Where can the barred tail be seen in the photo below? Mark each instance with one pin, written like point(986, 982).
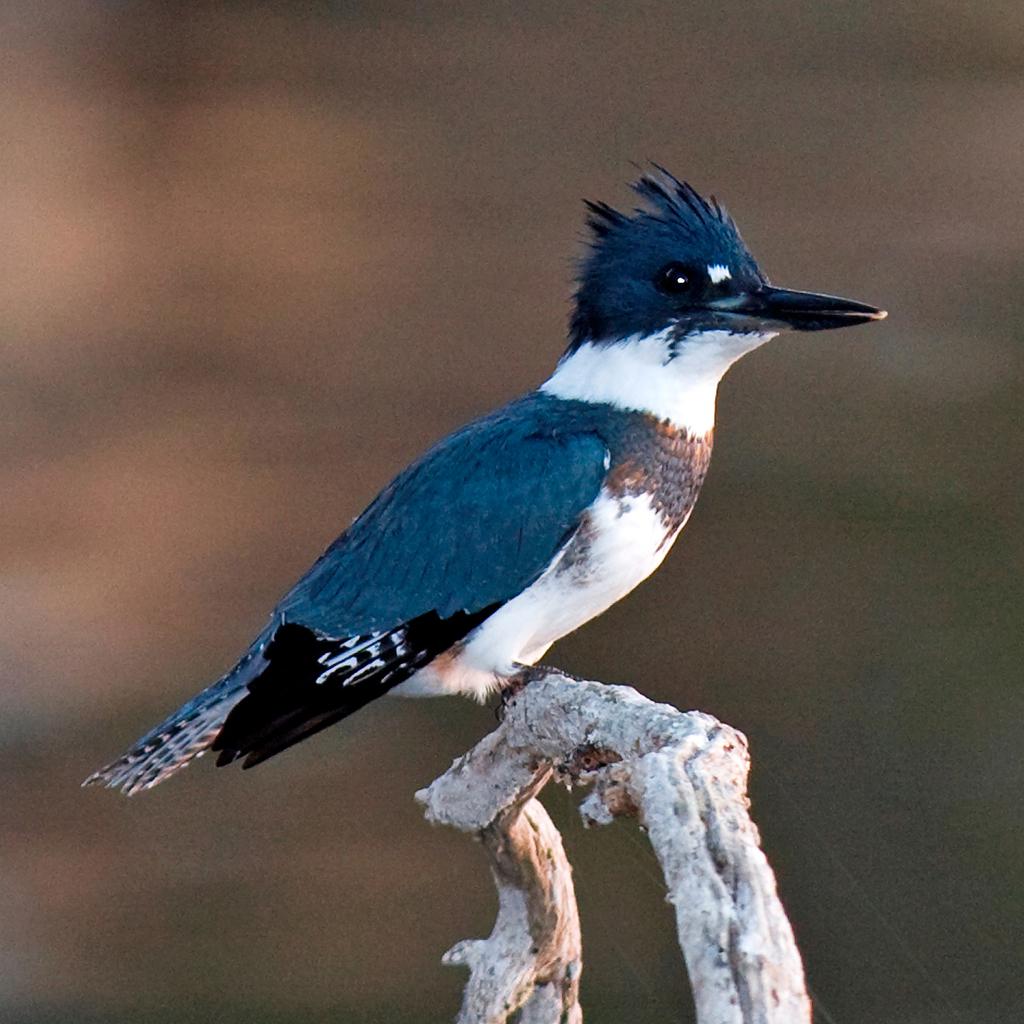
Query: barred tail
point(183, 736)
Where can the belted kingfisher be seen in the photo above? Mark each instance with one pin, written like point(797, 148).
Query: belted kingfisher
point(520, 527)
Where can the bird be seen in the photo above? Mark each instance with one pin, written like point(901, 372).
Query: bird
point(518, 528)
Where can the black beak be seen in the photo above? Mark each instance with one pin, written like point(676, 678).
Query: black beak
point(806, 311)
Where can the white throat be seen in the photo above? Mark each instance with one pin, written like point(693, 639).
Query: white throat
point(640, 373)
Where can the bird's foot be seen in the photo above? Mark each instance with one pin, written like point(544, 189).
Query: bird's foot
point(512, 685)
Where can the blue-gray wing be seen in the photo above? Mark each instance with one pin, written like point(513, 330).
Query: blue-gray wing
point(467, 527)
point(463, 530)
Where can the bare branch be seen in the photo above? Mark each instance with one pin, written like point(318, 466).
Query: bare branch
point(532, 958)
point(684, 777)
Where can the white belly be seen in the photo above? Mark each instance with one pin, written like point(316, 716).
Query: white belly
point(622, 542)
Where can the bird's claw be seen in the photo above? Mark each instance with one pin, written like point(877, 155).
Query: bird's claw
point(511, 687)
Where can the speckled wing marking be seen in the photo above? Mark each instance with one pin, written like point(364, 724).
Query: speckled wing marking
point(312, 681)
point(349, 662)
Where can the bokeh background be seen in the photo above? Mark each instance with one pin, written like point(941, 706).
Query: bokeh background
point(255, 258)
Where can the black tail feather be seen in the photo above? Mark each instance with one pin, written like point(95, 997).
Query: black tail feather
point(312, 681)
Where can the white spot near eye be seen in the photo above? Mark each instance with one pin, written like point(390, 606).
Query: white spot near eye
point(718, 273)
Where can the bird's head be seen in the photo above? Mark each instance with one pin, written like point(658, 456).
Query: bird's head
point(679, 265)
point(668, 298)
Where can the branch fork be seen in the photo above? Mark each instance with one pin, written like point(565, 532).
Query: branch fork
point(683, 776)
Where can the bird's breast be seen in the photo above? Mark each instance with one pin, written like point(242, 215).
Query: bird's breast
point(621, 540)
point(668, 465)
point(654, 476)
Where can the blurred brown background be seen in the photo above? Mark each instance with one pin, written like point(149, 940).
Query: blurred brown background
point(255, 258)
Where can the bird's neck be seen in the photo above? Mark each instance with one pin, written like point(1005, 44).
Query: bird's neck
point(651, 374)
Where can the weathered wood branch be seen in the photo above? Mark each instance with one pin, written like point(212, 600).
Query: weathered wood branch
point(684, 777)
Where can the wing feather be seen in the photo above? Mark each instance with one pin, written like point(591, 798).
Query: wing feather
point(471, 524)
point(464, 529)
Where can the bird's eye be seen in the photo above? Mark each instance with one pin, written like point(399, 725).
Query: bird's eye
point(673, 279)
